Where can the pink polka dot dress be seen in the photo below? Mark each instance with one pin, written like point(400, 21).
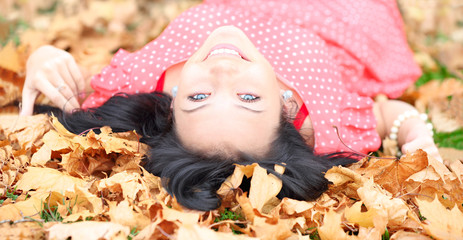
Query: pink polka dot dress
point(335, 54)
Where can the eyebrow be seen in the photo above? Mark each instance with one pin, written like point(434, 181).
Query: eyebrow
point(207, 104)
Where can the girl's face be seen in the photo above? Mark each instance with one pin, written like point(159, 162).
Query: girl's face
point(228, 98)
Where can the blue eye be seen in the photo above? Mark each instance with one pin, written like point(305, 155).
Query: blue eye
point(248, 97)
point(198, 97)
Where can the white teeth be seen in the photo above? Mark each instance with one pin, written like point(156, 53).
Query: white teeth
point(224, 50)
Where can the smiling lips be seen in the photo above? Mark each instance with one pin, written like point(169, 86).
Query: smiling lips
point(226, 49)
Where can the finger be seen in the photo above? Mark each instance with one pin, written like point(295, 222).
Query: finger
point(60, 85)
point(77, 75)
point(65, 74)
point(27, 101)
point(63, 98)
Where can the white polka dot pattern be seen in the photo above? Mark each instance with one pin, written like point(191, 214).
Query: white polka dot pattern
point(333, 53)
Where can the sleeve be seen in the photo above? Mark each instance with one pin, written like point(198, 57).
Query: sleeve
point(358, 128)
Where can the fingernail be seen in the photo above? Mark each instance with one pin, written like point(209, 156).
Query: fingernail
point(82, 95)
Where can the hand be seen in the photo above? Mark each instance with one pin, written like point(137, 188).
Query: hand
point(55, 73)
point(420, 138)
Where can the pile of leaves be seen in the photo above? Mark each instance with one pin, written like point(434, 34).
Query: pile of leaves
point(56, 185)
point(92, 186)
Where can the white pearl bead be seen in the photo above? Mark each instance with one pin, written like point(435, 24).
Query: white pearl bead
point(401, 118)
point(424, 116)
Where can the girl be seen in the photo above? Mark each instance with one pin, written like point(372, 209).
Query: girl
point(273, 82)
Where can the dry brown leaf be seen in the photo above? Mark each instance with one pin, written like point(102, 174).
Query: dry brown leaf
point(27, 208)
point(131, 184)
point(331, 228)
point(28, 130)
point(126, 214)
point(47, 179)
point(10, 59)
point(437, 90)
point(188, 218)
point(280, 230)
point(391, 173)
point(451, 154)
point(196, 232)
point(8, 93)
point(231, 183)
point(25, 230)
point(292, 206)
point(403, 235)
point(263, 187)
point(389, 210)
point(440, 222)
point(88, 230)
point(457, 168)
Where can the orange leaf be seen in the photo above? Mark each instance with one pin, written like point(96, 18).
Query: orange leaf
point(390, 173)
point(9, 58)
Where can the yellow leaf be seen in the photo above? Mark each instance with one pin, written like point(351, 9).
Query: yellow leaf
point(331, 228)
point(27, 208)
point(47, 179)
point(441, 223)
point(232, 182)
point(42, 156)
point(88, 230)
point(60, 128)
point(387, 208)
point(131, 184)
point(355, 215)
point(263, 187)
point(125, 214)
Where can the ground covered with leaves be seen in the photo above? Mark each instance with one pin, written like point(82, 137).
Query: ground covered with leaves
point(56, 185)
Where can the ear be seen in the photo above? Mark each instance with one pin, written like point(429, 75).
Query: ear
point(289, 106)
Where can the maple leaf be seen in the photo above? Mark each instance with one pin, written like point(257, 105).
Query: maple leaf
point(403, 235)
point(10, 59)
point(127, 214)
point(441, 223)
point(47, 179)
point(88, 230)
point(331, 229)
point(263, 187)
point(391, 173)
point(195, 232)
point(21, 209)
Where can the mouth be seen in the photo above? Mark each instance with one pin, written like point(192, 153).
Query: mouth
point(226, 50)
